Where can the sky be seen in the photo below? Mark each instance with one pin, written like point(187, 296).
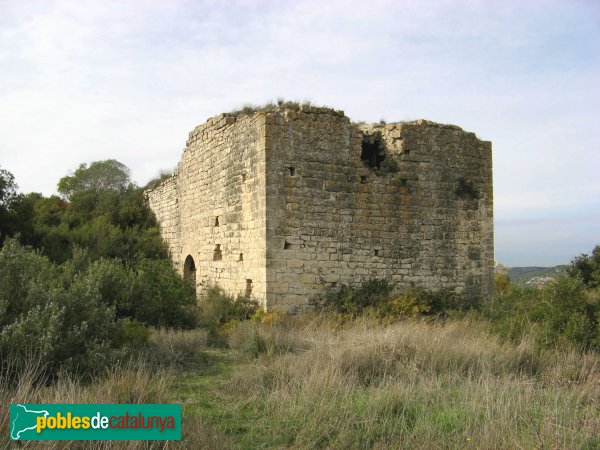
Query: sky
point(82, 81)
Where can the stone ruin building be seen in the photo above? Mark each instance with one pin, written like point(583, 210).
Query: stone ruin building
point(282, 202)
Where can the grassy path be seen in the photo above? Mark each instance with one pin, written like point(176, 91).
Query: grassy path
point(215, 417)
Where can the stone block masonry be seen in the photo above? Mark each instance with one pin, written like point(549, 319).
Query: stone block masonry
point(286, 201)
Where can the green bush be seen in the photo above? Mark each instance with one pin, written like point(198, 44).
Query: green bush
point(586, 268)
point(562, 310)
point(77, 317)
point(351, 301)
point(52, 315)
point(160, 297)
point(382, 299)
point(147, 291)
point(219, 312)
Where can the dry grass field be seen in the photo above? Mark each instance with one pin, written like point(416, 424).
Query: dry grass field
point(310, 382)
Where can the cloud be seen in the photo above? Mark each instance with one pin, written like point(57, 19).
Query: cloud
point(87, 80)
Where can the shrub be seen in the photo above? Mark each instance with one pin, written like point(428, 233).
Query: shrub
point(219, 312)
point(160, 297)
point(135, 335)
point(354, 301)
point(147, 291)
point(177, 348)
point(381, 298)
point(502, 283)
point(283, 335)
point(52, 315)
point(561, 310)
point(79, 316)
point(586, 268)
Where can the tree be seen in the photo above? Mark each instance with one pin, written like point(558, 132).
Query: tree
point(8, 194)
point(8, 188)
point(100, 176)
point(502, 284)
point(587, 268)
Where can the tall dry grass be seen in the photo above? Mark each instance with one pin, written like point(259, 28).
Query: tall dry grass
point(145, 378)
point(419, 385)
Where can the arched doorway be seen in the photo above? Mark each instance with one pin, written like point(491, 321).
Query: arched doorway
point(189, 271)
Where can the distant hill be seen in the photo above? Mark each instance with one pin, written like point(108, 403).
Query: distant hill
point(532, 276)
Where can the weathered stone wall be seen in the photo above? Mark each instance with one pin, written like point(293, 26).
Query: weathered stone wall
point(424, 216)
point(164, 201)
point(310, 199)
point(213, 208)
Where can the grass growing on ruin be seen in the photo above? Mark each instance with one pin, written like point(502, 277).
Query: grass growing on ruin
point(281, 103)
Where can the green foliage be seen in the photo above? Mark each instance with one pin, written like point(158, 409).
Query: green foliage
point(99, 176)
point(160, 297)
point(52, 314)
point(562, 310)
point(219, 312)
point(565, 310)
point(135, 335)
point(380, 298)
point(354, 301)
point(587, 268)
point(75, 317)
point(8, 193)
point(101, 212)
point(8, 188)
point(502, 283)
point(147, 291)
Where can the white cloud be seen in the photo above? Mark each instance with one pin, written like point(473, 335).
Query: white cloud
point(86, 80)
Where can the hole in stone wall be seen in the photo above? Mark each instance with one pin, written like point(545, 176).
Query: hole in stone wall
point(372, 152)
point(243, 178)
point(466, 190)
point(217, 255)
point(292, 171)
point(189, 271)
point(363, 179)
point(287, 245)
point(241, 257)
point(406, 151)
point(248, 292)
point(403, 181)
point(376, 252)
point(217, 221)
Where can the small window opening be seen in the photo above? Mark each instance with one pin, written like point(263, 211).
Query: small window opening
point(403, 181)
point(241, 257)
point(363, 179)
point(248, 292)
point(376, 252)
point(243, 178)
point(372, 152)
point(406, 151)
point(217, 221)
point(189, 271)
point(287, 245)
point(217, 255)
point(292, 171)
